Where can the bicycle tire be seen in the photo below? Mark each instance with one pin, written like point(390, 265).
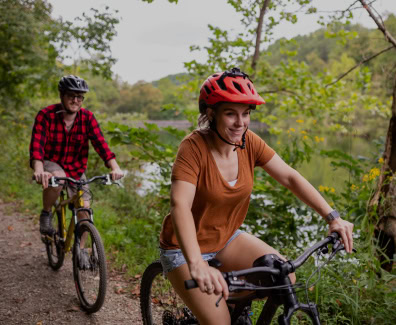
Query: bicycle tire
point(159, 302)
point(54, 246)
point(90, 283)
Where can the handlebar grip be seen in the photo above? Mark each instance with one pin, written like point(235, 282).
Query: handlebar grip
point(190, 284)
point(335, 235)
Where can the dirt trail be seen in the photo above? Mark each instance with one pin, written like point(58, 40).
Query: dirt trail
point(32, 293)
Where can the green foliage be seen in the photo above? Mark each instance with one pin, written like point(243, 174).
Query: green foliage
point(33, 44)
point(27, 57)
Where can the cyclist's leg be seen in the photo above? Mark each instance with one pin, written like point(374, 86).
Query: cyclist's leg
point(51, 194)
point(202, 305)
point(241, 252)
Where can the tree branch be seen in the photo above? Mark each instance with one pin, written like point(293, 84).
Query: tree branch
point(258, 35)
point(380, 25)
point(359, 64)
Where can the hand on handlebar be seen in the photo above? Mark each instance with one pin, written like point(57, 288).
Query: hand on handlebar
point(42, 177)
point(116, 174)
point(209, 279)
point(344, 229)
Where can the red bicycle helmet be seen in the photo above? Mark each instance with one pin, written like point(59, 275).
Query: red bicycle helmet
point(229, 86)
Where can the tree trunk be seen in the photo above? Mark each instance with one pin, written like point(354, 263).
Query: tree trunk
point(258, 35)
point(382, 205)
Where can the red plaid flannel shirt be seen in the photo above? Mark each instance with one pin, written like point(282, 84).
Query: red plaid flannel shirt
point(69, 149)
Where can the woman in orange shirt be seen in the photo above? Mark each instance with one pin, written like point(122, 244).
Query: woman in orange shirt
point(212, 180)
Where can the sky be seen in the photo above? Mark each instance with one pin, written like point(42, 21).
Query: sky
point(153, 40)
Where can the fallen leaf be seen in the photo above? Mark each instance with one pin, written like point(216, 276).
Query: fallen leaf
point(73, 308)
point(119, 290)
point(39, 323)
point(10, 228)
point(136, 290)
point(312, 288)
point(24, 244)
point(138, 276)
point(338, 302)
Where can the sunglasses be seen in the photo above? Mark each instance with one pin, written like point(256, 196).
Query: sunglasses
point(79, 98)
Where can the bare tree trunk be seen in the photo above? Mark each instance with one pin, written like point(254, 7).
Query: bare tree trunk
point(258, 35)
point(382, 205)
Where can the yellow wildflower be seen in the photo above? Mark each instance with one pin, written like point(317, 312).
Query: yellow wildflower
point(365, 178)
point(317, 139)
point(314, 121)
point(354, 187)
point(323, 188)
point(303, 132)
point(300, 121)
point(305, 137)
point(374, 172)
point(292, 130)
point(321, 139)
point(332, 189)
point(381, 160)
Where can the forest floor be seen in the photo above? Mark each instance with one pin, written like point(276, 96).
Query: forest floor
point(32, 293)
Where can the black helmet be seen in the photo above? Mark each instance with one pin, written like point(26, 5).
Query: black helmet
point(72, 83)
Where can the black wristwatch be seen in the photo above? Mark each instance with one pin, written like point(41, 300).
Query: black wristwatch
point(332, 216)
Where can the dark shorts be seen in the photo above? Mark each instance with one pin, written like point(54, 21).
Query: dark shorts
point(50, 166)
point(173, 258)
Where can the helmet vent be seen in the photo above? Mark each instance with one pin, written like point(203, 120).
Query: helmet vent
point(215, 75)
point(221, 84)
point(238, 86)
point(208, 91)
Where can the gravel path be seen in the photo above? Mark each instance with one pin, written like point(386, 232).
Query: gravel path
point(32, 293)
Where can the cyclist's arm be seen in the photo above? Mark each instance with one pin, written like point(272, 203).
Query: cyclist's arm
point(98, 141)
point(182, 196)
point(291, 179)
point(116, 172)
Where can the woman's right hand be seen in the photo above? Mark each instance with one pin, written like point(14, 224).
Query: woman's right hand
point(209, 279)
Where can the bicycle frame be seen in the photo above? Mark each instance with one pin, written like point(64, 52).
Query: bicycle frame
point(280, 291)
point(77, 202)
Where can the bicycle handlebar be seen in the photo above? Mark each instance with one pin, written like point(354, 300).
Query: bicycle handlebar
point(54, 180)
point(281, 268)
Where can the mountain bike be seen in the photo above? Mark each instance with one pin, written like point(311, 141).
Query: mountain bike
point(267, 279)
point(88, 256)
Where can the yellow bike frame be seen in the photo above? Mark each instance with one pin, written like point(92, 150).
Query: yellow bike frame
point(78, 202)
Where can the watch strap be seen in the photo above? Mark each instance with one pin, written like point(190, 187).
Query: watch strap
point(332, 216)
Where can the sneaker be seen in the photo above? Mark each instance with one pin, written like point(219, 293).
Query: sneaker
point(46, 223)
point(85, 260)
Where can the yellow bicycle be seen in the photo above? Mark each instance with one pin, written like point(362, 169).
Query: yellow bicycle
point(89, 262)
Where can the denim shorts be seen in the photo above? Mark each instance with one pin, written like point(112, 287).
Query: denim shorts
point(173, 258)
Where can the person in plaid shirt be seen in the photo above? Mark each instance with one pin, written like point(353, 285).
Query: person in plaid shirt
point(59, 144)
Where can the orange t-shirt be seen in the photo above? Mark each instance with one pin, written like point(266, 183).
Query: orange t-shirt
point(219, 209)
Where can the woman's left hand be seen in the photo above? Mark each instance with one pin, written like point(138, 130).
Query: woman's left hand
point(344, 229)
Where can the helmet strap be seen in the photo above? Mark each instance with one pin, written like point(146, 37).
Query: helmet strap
point(241, 146)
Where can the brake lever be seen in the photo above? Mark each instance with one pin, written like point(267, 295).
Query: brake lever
point(107, 181)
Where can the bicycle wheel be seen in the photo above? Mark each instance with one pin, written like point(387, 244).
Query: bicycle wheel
point(90, 280)
point(159, 303)
point(54, 244)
